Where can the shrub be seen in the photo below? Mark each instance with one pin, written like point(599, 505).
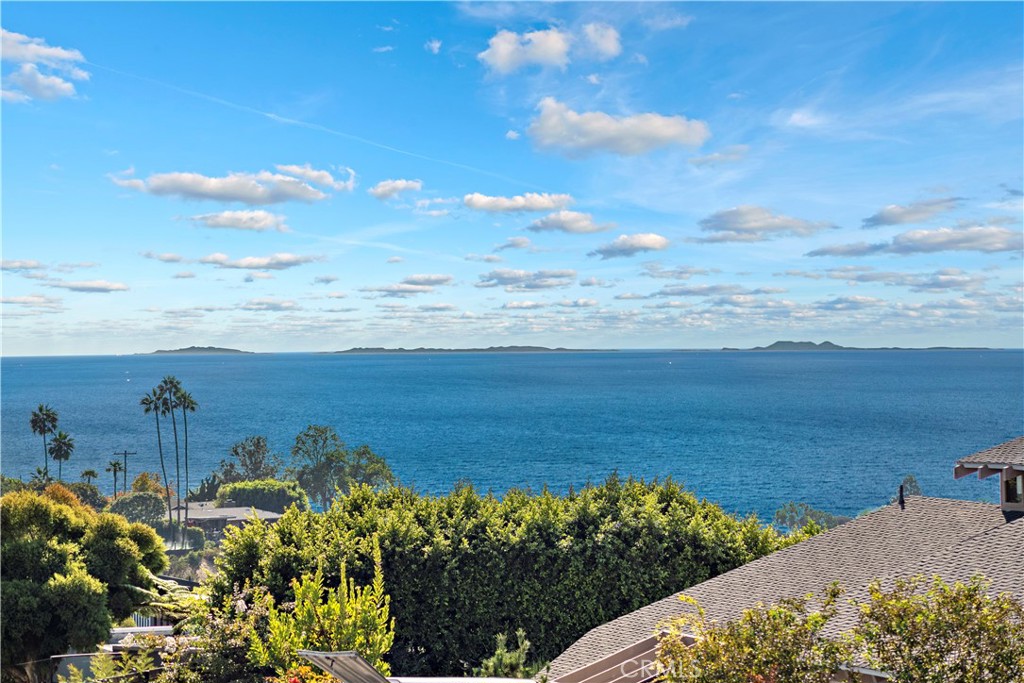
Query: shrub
point(145, 507)
point(464, 567)
point(263, 494)
point(88, 494)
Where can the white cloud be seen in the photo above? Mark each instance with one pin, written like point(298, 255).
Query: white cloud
point(531, 201)
point(258, 275)
point(977, 238)
point(628, 245)
point(603, 40)
point(38, 301)
point(569, 221)
point(21, 264)
point(184, 275)
point(512, 135)
point(484, 258)
point(594, 282)
point(508, 51)
point(523, 305)
point(248, 188)
point(594, 79)
point(895, 214)
point(557, 126)
point(728, 155)
point(433, 46)
point(320, 177)
point(755, 224)
point(436, 308)
point(384, 48)
point(269, 304)
point(387, 189)
point(667, 21)
point(32, 83)
point(279, 261)
point(578, 303)
point(324, 279)
point(525, 280)
point(430, 279)
point(515, 243)
point(90, 286)
point(256, 220)
point(401, 290)
point(679, 273)
point(394, 259)
point(800, 118)
point(166, 257)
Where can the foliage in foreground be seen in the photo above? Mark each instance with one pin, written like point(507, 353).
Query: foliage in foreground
point(464, 567)
point(934, 632)
point(919, 632)
point(506, 663)
point(348, 617)
point(784, 643)
point(67, 573)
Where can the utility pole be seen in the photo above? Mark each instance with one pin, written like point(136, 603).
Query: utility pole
point(125, 455)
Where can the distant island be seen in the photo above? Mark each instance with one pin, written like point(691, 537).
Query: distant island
point(489, 349)
point(829, 346)
point(196, 350)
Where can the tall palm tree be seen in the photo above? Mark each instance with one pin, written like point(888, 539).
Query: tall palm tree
point(115, 466)
point(170, 388)
point(187, 405)
point(43, 422)
point(89, 475)
point(153, 403)
point(61, 449)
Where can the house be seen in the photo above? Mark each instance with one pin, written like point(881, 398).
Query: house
point(954, 539)
point(213, 520)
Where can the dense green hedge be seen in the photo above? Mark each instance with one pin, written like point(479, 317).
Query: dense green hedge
point(263, 494)
point(463, 567)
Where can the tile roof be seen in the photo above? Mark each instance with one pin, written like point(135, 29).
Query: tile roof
point(886, 542)
point(1009, 453)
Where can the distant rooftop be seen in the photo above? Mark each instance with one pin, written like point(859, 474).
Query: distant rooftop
point(207, 511)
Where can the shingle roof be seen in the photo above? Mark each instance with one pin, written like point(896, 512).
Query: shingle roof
point(1009, 453)
point(887, 542)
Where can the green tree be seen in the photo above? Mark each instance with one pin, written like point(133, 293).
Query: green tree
point(323, 465)
point(68, 573)
point(61, 449)
point(115, 467)
point(188, 405)
point(89, 494)
point(88, 475)
point(910, 488)
point(922, 631)
point(348, 617)
point(153, 403)
point(505, 663)
point(43, 422)
point(252, 460)
point(138, 507)
point(169, 389)
point(263, 494)
point(798, 515)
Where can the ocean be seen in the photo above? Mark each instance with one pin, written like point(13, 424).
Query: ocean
point(749, 430)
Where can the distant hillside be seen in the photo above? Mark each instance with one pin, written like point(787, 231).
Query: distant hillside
point(489, 349)
point(829, 346)
point(196, 350)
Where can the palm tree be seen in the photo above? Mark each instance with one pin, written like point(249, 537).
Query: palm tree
point(89, 475)
point(43, 422)
point(187, 405)
point(170, 386)
point(115, 466)
point(61, 449)
point(152, 403)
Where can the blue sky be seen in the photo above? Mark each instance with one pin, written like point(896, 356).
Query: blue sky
point(304, 177)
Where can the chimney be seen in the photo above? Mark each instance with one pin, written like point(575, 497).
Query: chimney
point(902, 501)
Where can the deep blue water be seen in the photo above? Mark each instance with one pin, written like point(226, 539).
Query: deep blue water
point(748, 430)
